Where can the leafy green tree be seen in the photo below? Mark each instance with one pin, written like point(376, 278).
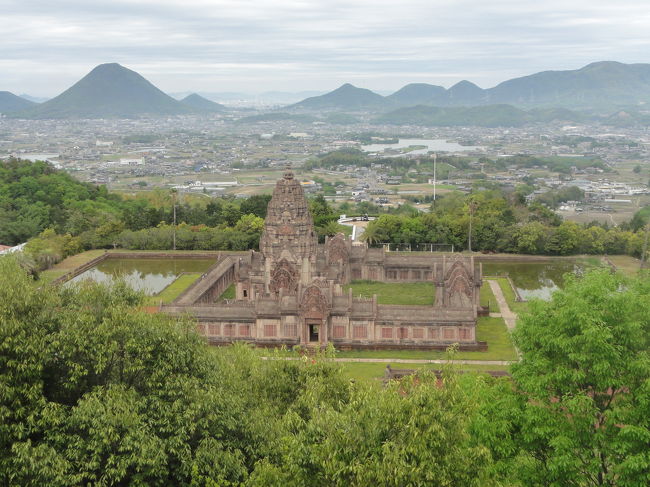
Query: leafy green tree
point(411, 433)
point(93, 391)
point(256, 204)
point(585, 375)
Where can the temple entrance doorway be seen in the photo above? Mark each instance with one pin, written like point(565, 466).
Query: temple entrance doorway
point(314, 329)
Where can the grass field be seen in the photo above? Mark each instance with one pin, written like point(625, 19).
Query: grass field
point(487, 297)
point(69, 264)
point(625, 264)
point(229, 293)
point(404, 293)
point(370, 371)
point(172, 291)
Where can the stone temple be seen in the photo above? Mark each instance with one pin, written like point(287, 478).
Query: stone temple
point(291, 291)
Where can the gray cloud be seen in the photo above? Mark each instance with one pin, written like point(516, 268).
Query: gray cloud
point(258, 45)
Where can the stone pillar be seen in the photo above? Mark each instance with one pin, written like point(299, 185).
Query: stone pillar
point(324, 331)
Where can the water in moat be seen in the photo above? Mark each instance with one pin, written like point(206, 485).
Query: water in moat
point(536, 279)
point(148, 275)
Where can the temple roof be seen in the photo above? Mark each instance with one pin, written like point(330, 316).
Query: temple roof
point(289, 227)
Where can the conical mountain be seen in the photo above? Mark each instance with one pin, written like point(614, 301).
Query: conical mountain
point(109, 91)
point(11, 103)
point(200, 104)
point(418, 94)
point(465, 93)
point(345, 97)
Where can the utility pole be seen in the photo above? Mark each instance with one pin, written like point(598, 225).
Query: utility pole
point(645, 246)
point(174, 233)
point(472, 207)
point(435, 159)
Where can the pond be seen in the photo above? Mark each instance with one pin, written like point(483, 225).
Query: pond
point(536, 279)
point(148, 275)
point(428, 144)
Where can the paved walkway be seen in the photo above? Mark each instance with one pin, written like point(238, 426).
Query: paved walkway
point(403, 361)
point(509, 316)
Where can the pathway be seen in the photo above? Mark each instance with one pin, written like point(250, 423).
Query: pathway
point(509, 316)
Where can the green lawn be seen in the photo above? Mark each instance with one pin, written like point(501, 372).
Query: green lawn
point(229, 293)
point(487, 297)
point(69, 264)
point(174, 290)
point(370, 371)
point(403, 293)
point(625, 264)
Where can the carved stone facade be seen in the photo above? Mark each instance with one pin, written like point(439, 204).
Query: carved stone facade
point(291, 291)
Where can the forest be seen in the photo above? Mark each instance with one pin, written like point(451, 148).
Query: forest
point(94, 391)
point(61, 216)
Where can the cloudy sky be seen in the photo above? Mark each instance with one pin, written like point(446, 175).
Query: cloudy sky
point(293, 45)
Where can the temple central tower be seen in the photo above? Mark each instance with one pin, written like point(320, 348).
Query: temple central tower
point(289, 229)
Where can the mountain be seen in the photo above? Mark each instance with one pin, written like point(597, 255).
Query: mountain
point(597, 84)
point(347, 97)
point(601, 85)
point(200, 104)
point(11, 103)
point(109, 91)
point(481, 116)
point(418, 94)
point(465, 93)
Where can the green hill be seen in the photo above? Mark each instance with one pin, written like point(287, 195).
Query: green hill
point(109, 91)
point(418, 94)
point(347, 97)
point(596, 85)
point(482, 116)
point(601, 85)
point(11, 103)
point(200, 104)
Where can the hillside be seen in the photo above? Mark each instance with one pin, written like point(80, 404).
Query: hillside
point(200, 104)
point(347, 97)
point(601, 86)
point(598, 84)
point(418, 94)
point(109, 91)
point(482, 116)
point(12, 103)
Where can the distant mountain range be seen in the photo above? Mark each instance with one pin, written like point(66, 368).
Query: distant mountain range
point(109, 91)
point(113, 91)
point(12, 103)
point(602, 85)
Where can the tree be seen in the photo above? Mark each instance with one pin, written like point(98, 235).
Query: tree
point(585, 375)
point(93, 391)
point(411, 433)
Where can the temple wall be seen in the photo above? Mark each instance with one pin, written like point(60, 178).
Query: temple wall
point(211, 284)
